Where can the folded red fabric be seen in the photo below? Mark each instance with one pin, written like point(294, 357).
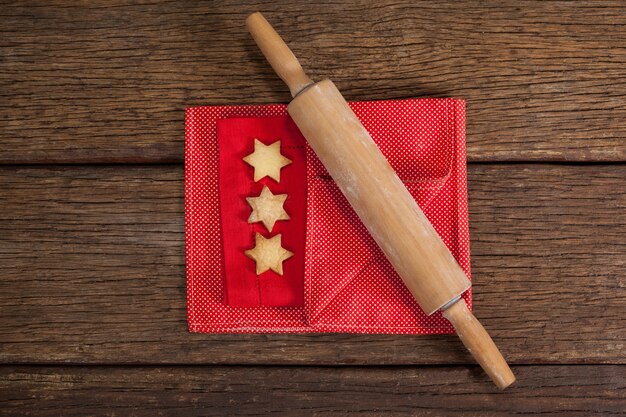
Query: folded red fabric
point(242, 286)
point(338, 280)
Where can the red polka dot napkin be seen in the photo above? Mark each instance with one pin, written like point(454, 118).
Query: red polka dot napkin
point(338, 280)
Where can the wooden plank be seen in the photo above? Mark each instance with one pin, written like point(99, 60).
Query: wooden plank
point(93, 272)
point(109, 81)
point(293, 391)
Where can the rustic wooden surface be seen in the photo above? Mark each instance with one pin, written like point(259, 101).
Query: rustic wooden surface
point(108, 81)
point(217, 391)
point(92, 286)
point(100, 277)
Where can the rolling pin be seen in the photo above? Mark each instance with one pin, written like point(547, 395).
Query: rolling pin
point(380, 199)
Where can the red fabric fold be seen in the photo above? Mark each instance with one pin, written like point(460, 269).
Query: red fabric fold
point(242, 287)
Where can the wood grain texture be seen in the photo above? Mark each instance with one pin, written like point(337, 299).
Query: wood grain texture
point(93, 272)
point(109, 81)
point(574, 391)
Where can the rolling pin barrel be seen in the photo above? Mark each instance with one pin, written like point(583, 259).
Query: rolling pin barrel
point(380, 199)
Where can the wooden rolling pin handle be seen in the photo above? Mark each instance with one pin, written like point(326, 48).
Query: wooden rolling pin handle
point(277, 53)
point(479, 343)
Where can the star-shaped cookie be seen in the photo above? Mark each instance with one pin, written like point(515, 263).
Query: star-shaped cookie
point(267, 208)
point(267, 160)
point(269, 254)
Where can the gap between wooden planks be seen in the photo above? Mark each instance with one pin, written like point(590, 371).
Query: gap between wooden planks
point(93, 272)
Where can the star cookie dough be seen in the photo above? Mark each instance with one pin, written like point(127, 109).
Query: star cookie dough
point(269, 254)
point(267, 208)
point(267, 160)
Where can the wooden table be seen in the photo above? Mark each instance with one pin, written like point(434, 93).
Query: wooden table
point(92, 284)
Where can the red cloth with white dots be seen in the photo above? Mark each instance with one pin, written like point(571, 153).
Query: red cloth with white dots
point(347, 284)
